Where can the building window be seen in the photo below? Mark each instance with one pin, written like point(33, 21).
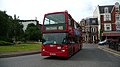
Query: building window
point(118, 26)
point(107, 27)
point(93, 21)
point(93, 38)
point(117, 17)
point(106, 10)
point(107, 17)
point(83, 29)
point(83, 24)
point(117, 7)
point(117, 21)
point(87, 24)
point(93, 29)
point(87, 29)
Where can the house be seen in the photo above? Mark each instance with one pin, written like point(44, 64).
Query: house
point(83, 24)
point(26, 22)
point(108, 21)
point(90, 30)
point(93, 29)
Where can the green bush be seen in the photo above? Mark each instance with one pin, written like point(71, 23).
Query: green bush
point(4, 43)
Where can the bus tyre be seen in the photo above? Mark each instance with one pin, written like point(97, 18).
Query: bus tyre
point(69, 55)
point(80, 47)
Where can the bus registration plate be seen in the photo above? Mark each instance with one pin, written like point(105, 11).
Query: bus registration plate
point(53, 54)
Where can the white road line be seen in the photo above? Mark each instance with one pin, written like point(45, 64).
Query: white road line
point(110, 51)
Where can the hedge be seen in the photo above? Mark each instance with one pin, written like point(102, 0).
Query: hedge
point(4, 43)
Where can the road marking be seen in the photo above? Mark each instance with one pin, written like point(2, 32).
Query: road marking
point(109, 50)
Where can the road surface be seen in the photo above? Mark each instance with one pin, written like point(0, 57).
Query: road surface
point(89, 56)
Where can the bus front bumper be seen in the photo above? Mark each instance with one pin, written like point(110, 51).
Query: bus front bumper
point(63, 53)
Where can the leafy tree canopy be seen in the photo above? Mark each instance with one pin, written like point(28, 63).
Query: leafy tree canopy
point(33, 33)
point(10, 27)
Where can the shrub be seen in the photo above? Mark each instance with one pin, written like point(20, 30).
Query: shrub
point(4, 43)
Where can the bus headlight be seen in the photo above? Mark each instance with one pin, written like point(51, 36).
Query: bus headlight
point(63, 50)
point(58, 47)
point(43, 49)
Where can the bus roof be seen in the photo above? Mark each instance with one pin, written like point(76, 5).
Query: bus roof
point(62, 12)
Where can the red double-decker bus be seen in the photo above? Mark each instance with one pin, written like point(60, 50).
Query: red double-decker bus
point(61, 35)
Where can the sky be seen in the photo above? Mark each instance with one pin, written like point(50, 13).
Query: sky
point(30, 9)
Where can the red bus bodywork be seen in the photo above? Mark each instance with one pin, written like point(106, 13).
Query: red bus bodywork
point(66, 38)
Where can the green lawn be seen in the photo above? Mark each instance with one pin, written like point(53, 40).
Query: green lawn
point(20, 47)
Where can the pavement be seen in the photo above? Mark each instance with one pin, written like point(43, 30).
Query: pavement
point(20, 53)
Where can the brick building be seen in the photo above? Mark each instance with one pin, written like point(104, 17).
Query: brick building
point(108, 21)
point(90, 30)
point(83, 24)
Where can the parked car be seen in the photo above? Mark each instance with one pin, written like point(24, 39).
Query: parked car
point(102, 42)
point(114, 44)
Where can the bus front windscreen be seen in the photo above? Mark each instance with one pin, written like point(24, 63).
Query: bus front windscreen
point(54, 19)
point(54, 22)
point(54, 38)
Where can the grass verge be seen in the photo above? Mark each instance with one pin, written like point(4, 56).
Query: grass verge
point(20, 47)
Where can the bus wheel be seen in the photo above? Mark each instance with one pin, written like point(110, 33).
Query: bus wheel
point(70, 55)
point(80, 47)
point(73, 50)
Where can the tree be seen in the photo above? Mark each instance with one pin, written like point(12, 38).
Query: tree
point(17, 29)
point(5, 22)
point(10, 28)
point(32, 33)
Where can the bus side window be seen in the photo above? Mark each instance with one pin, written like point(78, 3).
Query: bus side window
point(75, 25)
point(70, 21)
point(78, 27)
